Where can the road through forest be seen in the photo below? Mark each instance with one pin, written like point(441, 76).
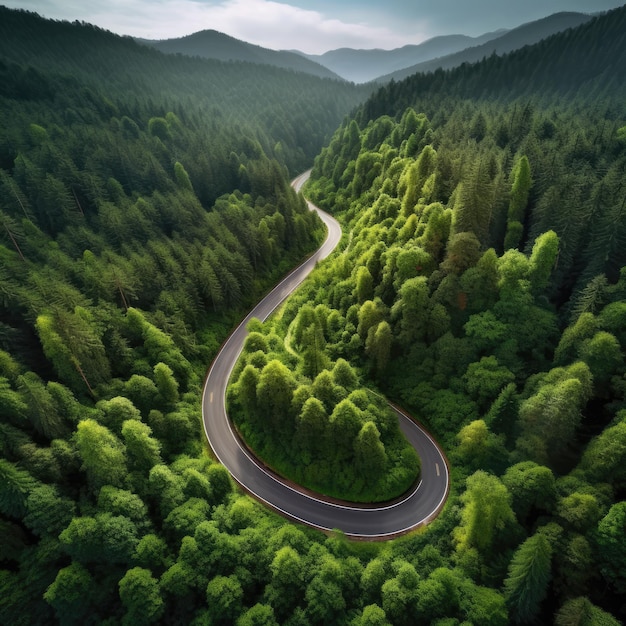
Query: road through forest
point(357, 521)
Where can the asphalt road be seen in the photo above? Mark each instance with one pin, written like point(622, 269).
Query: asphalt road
point(418, 507)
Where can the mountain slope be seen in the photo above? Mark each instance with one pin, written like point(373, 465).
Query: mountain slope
point(524, 35)
point(211, 44)
point(587, 63)
point(254, 96)
point(361, 66)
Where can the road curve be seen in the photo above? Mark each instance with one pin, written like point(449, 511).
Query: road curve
point(418, 507)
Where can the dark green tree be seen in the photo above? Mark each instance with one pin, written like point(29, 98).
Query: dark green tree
point(526, 585)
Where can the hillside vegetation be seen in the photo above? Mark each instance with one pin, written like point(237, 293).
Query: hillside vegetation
point(483, 287)
point(145, 204)
point(291, 114)
point(514, 39)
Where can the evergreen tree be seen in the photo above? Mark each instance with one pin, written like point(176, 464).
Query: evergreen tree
point(527, 583)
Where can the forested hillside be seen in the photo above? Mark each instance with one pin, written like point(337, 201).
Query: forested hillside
point(291, 114)
point(524, 35)
point(585, 64)
point(145, 205)
point(482, 285)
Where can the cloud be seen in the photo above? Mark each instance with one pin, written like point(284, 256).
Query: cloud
point(266, 23)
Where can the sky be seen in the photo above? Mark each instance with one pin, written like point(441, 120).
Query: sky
point(311, 26)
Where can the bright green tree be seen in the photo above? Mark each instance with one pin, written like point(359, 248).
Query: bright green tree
point(143, 450)
point(520, 189)
point(378, 346)
point(116, 411)
point(372, 615)
point(531, 486)
point(166, 383)
point(71, 594)
point(224, 596)
point(369, 453)
point(102, 454)
point(604, 459)
point(312, 426)
point(258, 615)
point(486, 512)
point(141, 596)
point(275, 392)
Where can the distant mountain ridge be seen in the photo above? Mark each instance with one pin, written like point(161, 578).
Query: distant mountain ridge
point(524, 35)
point(362, 66)
point(211, 44)
point(373, 65)
point(586, 64)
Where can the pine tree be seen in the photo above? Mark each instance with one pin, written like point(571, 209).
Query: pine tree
point(526, 585)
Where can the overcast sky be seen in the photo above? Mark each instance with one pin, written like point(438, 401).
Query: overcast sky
point(312, 26)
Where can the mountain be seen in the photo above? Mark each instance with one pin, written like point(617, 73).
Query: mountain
point(211, 44)
point(361, 66)
point(524, 35)
point(587, 63)
point(258, 96)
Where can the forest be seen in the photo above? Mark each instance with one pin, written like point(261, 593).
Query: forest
point(480, 284)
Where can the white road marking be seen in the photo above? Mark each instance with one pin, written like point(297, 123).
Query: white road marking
point(437, 468)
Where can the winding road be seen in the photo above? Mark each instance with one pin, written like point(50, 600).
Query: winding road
point(384, 521)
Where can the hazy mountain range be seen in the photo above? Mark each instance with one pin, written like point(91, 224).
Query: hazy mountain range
point(211, 44)
point(378, 65)
point(524, 35)
point(362, 66)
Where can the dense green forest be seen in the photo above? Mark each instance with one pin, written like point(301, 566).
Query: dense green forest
point(307, 416)
point(289, 114)
point(480, 283)
point(482, 286)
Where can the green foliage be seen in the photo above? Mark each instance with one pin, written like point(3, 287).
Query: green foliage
point(105, 538)
point(143, 450)
point(102, 454)
point(611, 552)
point(141, 597)
point(69, 593)
point(182, 178)
point(520, 189)
point(224, 596)
point(487, 511)
point(275, 392)
point(140, 217)
point(48, 513)
point(15, 487)
point(486, 379)
point(527, 582)
point(480, 448)
point(581, 612)
point(603, 460)
point(351, 450)
point(166, 384)
point(531, 487)
point(550, 418)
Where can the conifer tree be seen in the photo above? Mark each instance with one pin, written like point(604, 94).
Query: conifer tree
point(529, 574)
